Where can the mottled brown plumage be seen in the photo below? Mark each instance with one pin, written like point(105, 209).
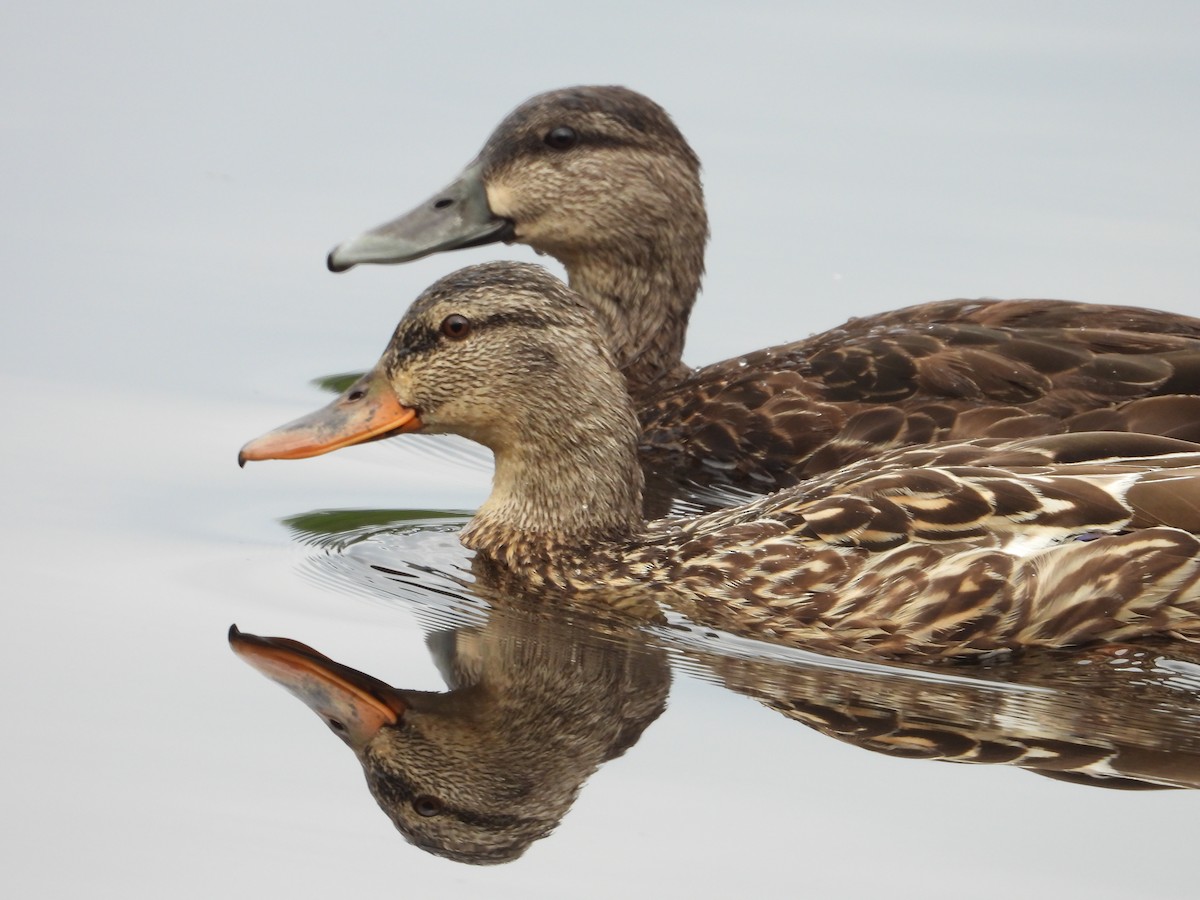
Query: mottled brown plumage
point(943, 551)
point(601, 179)
point(1114, 716)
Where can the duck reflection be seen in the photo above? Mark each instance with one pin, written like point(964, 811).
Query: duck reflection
point(540, 698)
point(478, 773)
point(1115, 716)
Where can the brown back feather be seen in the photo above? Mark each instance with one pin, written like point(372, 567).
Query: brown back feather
point(952, 370)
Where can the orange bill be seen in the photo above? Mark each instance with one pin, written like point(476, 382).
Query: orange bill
point(368, 410)
point(353, 704)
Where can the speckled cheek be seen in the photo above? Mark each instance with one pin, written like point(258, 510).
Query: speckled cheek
point(467, 419)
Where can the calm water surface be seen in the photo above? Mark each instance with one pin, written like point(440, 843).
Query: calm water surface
point(174, 175)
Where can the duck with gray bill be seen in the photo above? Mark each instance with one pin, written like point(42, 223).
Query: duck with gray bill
point(601, 179)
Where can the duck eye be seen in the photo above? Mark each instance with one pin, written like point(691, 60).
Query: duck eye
point(456, 327)
point(561, 138)
point(426, 806)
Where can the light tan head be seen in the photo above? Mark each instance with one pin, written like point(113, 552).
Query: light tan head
point(506, 355)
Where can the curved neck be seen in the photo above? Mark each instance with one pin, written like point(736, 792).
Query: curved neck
point(638, 259)
point(644, 296)
point(561, 484)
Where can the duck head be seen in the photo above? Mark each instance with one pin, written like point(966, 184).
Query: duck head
point(597, 177)
point(425, 763)
point(502, 354)
point(478, 773)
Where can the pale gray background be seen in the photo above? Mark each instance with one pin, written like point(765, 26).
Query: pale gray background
point(173, 174)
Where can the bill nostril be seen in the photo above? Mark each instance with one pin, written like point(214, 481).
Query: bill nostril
point(443, 203)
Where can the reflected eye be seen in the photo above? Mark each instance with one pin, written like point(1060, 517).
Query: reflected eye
point(427, 806)
point(456, 327)
point(561, 138)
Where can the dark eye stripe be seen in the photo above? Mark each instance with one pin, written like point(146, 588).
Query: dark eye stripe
point(398, 793)
point(502, 153)
point(585, 139)
point(418, 339)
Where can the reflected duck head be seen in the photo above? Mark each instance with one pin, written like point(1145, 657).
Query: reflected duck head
point(438, 782)
point(478, 773)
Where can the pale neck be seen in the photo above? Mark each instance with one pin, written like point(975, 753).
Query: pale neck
point(644, 294)
point(562, 484)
